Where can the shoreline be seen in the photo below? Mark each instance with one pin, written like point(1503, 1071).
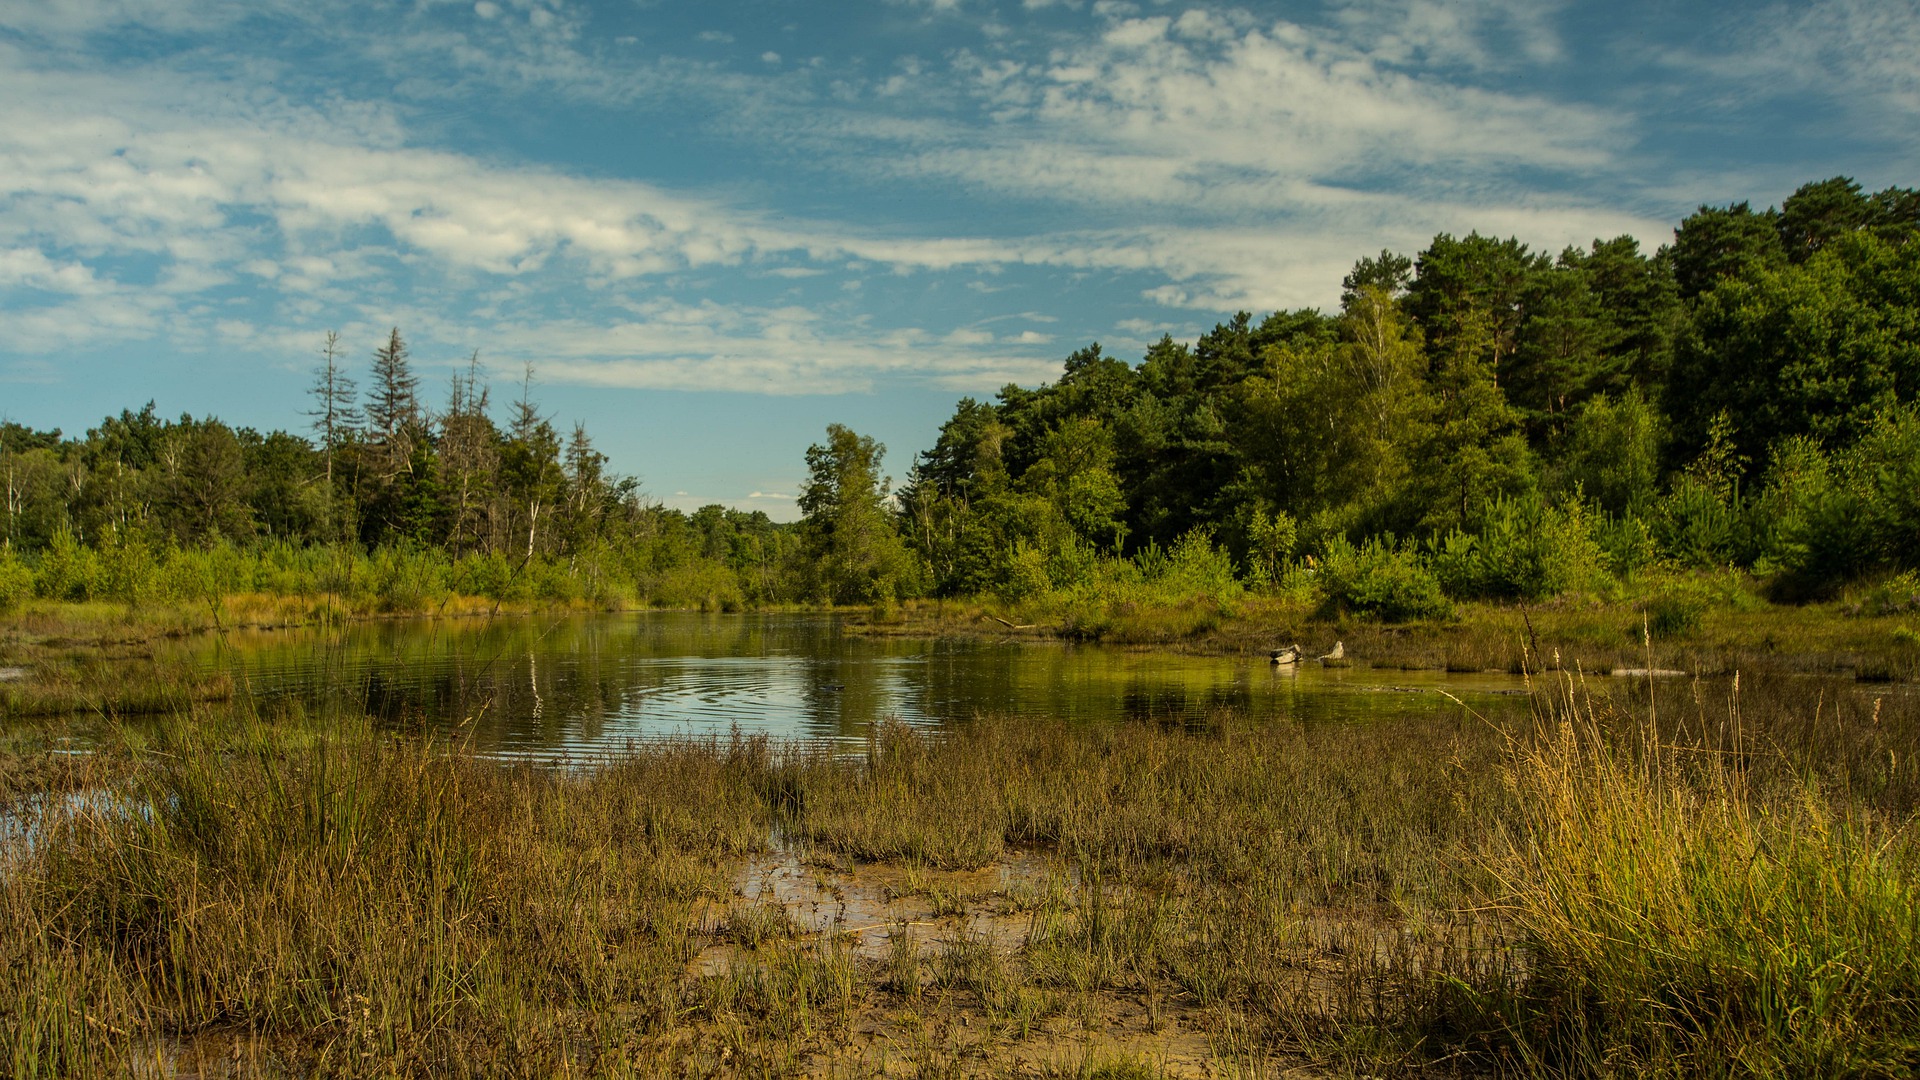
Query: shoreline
point(1596, 638)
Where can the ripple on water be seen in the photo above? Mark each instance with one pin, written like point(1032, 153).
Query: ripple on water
point(574, 687)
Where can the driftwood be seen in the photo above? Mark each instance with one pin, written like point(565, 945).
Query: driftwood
point(1014, 626)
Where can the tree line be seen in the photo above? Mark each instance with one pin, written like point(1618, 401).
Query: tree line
point(1476, 420)
point(509, 508)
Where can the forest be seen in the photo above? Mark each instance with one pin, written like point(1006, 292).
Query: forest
point(1478, 421)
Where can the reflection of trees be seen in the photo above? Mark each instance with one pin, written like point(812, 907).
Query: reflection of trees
point(546, 684)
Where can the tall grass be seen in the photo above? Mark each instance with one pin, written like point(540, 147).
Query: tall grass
point(1696, 885)
point(378, 905)
point(1689, 914)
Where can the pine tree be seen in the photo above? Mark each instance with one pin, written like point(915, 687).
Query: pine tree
point(393, 405)
point(335, 419)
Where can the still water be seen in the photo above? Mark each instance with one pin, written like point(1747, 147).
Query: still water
point(588, 685)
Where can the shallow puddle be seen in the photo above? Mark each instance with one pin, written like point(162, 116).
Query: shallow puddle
point(867, 904)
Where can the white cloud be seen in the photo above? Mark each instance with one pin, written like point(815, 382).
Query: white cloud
point(30, 268)
point(74, 17)
point(1200, 111)
point(1477, 34)
point(1215, 160)
point(1863, 54)
point(773, 351)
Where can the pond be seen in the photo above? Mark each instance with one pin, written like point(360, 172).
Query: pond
point(585, 685)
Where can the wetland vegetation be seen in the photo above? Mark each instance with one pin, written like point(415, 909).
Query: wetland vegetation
point(1702, 460)
point(1663, 877)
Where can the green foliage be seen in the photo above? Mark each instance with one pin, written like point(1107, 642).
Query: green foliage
point(855, 555)
point(1025, 575)
point(1810, 349)
point(702, 584)
point(1271, 540)
point(1824, 519)
point(1524, 548)
point(1702, 521)
point(1195, 567)
point(67, 570)
point(1896, 595)
point(16, 581)
point(1611, 454)
point(1380, 579)
point(1675, 613)
point(1744, 397)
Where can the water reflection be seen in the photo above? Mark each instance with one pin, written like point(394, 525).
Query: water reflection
point(594, 683)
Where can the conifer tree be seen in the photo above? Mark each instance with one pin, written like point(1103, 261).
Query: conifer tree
point(335, 419)
point(393, 404)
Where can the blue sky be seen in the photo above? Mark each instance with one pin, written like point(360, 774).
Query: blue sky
point(715, 228)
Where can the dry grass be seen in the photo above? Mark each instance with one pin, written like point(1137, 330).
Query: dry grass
point(1692, 913)
point(1711, 886)
point(1742, 634)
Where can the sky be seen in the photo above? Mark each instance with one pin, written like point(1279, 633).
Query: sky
point(715, 228)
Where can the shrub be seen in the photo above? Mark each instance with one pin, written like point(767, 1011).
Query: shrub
point(490, 574)
point(129, 572)
point(1380, 579)
point(1675, 614)
point(1825, 519)
point(1525, 549)
point(706, 584)
point(67, 570)
point(1628, 543)
point(407, 578)
point(1195, 567)
point(16, 581)
point(1026, 574)
point(1699, 524)
point(1896, 595)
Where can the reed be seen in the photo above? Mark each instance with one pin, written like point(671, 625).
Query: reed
point(1660, 880)
point(1687, 915)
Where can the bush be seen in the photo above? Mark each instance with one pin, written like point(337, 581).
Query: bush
point(491, 574)
point(1898, 595)
point(129, 572)
point(1826, 519)
point(1025, 575)
point(16, 581)
point(67, 571)
point(407, 578)
point(1197, 568)
point(1525, 549)
point(1699, 524)
point(1380, 579)
point(1628, 543)
point(706, 584)
point(1675, 614)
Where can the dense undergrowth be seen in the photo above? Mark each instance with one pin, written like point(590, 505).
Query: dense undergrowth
point(1714, 881)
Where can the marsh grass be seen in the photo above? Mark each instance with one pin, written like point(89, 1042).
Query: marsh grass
point(1713, 626)
point(1668, 879)
point(1695, 909)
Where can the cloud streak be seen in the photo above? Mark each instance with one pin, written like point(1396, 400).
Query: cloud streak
point(1198, 158)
